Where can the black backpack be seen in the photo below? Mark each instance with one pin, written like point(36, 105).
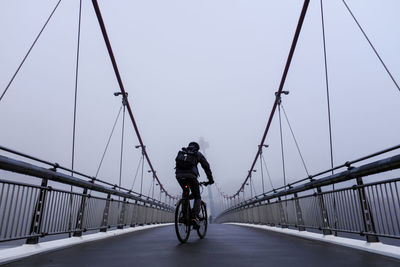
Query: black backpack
point(186, 160)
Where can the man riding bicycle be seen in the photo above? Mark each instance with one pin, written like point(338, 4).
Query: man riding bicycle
point(187, 175)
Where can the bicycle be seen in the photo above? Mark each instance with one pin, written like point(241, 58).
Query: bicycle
point(183, 218)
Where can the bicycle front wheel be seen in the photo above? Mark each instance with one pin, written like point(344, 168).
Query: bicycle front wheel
point(202, 230)
point(182, 222)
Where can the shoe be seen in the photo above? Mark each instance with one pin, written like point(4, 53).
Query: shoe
point(196, 223)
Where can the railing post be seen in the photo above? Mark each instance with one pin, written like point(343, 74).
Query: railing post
point(122, 215)
point(326, 230)
point(104, 221)
point(368, 220)
point(81, 211)
point(282, 214)
point(37, 217)
point(299, 214)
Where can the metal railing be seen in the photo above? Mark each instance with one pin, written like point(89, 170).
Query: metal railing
point(370, 209)
point(30, 211)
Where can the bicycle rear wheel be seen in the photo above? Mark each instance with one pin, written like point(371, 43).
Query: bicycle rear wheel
point(203, 221)
point(182, 222)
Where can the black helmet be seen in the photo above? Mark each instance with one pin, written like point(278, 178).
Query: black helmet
point(194, 145)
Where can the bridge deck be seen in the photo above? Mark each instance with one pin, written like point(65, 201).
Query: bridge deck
point(224, 245)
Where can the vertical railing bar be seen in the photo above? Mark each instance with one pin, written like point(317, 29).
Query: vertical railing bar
point(1, 202)
point(49, 211)
point(384, 208)
point(341, 211)
point(15, 211)
point(25, 200)
point(56, 217)
point(332, 204)
point(380, 210)
point(372, 189)
point(28, 212)
point(68, 210)
point(9, 210)
point(97, 208)
point(317, 217)
point(86, 211)
point(368, 196)
point(308, 210)
point(353, 204)
point(390, 210)
point(63, 223)
point(21, 203)
point(356, 212)
point(356, 208)
point(90, 210)
point(346, 209)
point(94, 209)
point(5, 211)
point(100, 204)
point(398, 201)
point(58, 214)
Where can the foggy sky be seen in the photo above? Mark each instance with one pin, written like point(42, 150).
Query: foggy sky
point(199, 69)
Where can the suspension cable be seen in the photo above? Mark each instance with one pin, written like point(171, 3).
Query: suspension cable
point(122, 141)
point(262, 172)
point(329, 108)
point(252, 184)
point(372, 46)
point(74, 120)
point(327, 84)
point(282, 150)
point(29, 51)
point(122, 88)
point(76, 85)
point(282, 83)
point(141, 179)
point(151, 186)
point(108, 142)
point(137, 171)
point(266, 168)
point(295, 140)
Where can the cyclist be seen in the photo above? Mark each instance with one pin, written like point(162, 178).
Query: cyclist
point(189, 177)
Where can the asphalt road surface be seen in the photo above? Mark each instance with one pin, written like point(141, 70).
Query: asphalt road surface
point(224, 245)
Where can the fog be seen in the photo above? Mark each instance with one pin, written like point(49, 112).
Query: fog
point(196, 70)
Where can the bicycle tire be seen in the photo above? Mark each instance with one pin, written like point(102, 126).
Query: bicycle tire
point(202, 230)
point(182, 228)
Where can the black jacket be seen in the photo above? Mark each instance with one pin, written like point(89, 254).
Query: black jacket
point(194, 172)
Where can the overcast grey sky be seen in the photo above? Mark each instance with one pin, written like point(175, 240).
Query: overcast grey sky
point(199, 69)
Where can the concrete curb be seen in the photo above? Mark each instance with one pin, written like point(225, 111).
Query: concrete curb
point(378, 248)
point(12, 254)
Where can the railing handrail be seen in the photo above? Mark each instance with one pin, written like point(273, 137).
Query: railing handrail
point(25, 168)
point(375, 167)
point(58, 166)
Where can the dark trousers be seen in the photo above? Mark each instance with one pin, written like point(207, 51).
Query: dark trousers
point(195, 189)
